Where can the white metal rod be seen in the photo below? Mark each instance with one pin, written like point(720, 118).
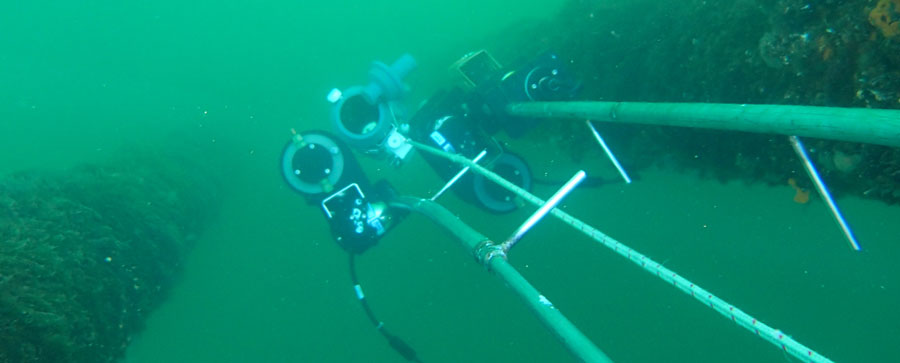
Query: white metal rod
point(458, 175)
point(544, 209)
point(609, 153)
point(823, 191)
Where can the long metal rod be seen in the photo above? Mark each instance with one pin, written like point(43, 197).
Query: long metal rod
point(823, 191)
point(866, 125)
point(543, 210)
point(458, 175)
point(473, 241)
point(608, 152)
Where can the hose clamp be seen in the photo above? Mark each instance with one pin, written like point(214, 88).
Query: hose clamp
point(486, 250)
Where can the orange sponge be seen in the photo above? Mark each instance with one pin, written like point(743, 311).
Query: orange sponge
point(886, 17)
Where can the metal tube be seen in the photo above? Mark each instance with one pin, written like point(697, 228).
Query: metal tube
point(823, 191)
point(543, 210)
point(866, 125)
point(609, 153)
point(576, 342)
point(458, 175)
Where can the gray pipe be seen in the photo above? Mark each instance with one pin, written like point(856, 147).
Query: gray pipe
point(477, 244)
point(865, 125)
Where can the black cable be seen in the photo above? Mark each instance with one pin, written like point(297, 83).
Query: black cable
point(398, 344)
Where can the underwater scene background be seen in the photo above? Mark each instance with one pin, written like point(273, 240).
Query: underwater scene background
point(144, 218)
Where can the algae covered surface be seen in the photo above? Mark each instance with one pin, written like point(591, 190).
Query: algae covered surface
point(88, 254)
point(826, 53)
point(143, 217)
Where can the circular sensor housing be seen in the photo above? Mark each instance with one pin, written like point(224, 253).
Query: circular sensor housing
point(496, 198)
point(312, 163)
point(361, 123)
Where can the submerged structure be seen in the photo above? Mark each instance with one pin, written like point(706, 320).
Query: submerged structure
point(87, 254)
point(792, 70)
point(785, 52)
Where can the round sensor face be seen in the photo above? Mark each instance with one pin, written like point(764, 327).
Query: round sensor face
point(358, 116)
point(360, 123)
point(312, 163)
point(496, 198)
point(541, 83)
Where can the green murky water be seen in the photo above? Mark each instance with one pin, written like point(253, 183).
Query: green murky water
point(265, 283)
